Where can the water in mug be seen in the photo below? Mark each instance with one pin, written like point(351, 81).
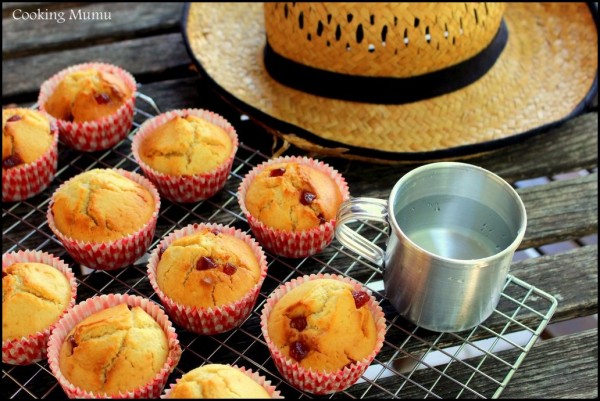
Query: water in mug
point(455, 227)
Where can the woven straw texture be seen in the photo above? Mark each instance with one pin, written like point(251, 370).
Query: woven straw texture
point(381, 39)
point(546, 70)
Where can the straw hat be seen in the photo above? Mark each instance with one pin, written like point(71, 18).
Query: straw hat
point(399, 82)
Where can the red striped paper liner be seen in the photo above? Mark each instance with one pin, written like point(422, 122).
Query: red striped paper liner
point(30, 349)
point(292, 244)
point(187, 188)
point(26, 180)
point(154, 388)
point(100, 134)
point(113, 254)
point(211, 320)
point(261, 380)
point(319, 382)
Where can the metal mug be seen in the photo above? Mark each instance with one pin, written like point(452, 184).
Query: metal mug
point(454, 228)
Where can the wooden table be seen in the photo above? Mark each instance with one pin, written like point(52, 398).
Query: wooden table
point(145, 39)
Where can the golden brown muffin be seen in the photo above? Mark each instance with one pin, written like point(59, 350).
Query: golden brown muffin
point(26, 136)
point(207, 269)
point(186, 146)
point(87, 95)
point(115, 349)
point(101, 205)
point(292, 197)
point(217, 381)
point(323, 324)
point(34, 296)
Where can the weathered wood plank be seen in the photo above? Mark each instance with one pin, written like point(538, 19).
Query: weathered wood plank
point(151, 55)
point(560, 210)
point(563, 367)
point(111, 22)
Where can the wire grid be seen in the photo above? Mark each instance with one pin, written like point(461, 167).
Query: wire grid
point(413, 362)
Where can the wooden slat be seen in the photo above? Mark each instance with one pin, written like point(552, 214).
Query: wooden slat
point(152, 55)
point(563, 367)
point(22, 37)
point(560, 210)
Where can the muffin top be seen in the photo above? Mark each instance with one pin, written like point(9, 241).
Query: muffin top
point(186, 146)
point(34, 296)
point(323, 324)
point(217, 381)
point(87, 95)
point(101, 205)
point(207, 269)
point(293, 197)
point(26, 136)
point(115, 349)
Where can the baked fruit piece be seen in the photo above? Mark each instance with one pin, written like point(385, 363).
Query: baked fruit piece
point(217, 381)
point(117, 349)
point(87, 95)
point(293, 197)
point(323, 325)
point(34, 296)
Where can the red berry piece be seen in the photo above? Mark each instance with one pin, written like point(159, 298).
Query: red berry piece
point(299, 350)
point(205, 263)
point(321, 218)
point(12, 161)
point(102, 98)
point(298, 323)
point(307, 198)
point(4, 274)
point(229, 269)
point(215, 231)
point(277, 172)
point(14, 118)
point(72, 343)
point(360, 298)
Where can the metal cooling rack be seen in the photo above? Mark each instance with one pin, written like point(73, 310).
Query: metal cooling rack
point(413, 363)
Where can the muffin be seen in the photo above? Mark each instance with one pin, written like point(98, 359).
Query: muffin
point(92, 104)
point(115, 209)
point(207, 276)
point(37, 289)
point(29, 153)
point(187, 154)
point(221, 381)
point(323, 331)
point(114, 345)
point(291, 204)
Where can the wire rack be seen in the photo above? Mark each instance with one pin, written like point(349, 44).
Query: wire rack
point(413, 363)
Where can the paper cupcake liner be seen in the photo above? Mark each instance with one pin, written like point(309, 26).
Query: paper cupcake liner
point(261, 380)
point(154, 388)
point(26, 180)
point(212, 320)
point(27, 350)
point(187, 188)
point(307, 379)
point(292, 244)
point(104, 133)
point(113, 254)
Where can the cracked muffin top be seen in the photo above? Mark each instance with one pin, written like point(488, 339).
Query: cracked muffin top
point(293, 197)
point(323, 324)
point(207, 269)
point(87, 95)
point(26, 136)
point(101, 205)
point(217, 381)
point(34, 296)
point(186, 146)
point(115, 349)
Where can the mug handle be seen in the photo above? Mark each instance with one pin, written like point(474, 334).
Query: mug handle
point(361, 209)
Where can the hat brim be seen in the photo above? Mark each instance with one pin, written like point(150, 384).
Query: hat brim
point(546, 74)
